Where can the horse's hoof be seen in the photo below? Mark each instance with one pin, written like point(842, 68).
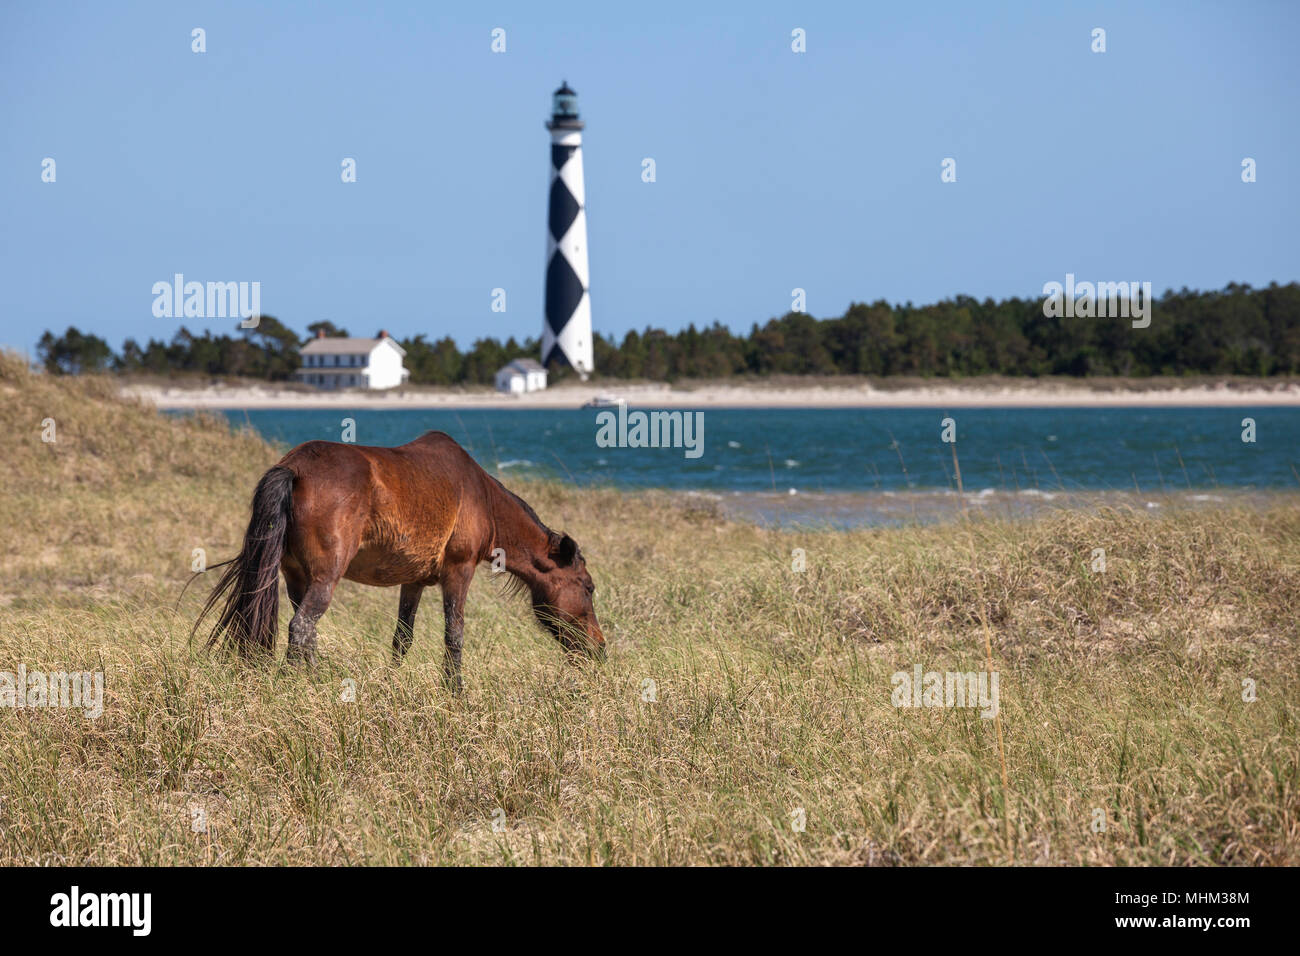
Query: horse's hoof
point(300, 656)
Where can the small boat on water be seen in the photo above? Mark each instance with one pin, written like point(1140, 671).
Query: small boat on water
point(605, 401)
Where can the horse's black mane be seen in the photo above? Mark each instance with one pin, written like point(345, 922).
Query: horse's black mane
point(523, 504)
point(514, 584)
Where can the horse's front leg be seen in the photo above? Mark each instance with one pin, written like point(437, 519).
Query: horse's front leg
point(407, 605)
point(455, 585)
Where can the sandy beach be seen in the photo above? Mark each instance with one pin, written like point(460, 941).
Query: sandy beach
point(1017, 394)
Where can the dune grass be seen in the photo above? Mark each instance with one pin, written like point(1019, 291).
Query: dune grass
point(770, 739)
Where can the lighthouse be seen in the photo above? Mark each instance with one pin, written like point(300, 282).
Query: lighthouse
point(566, 333)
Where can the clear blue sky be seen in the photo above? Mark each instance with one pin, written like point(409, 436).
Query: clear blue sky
point(775, 170)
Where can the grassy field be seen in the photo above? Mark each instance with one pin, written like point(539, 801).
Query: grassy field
point(772, 738)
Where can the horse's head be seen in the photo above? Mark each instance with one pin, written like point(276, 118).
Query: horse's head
point(562, 599)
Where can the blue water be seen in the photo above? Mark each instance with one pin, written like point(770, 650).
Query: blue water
point(854, 450)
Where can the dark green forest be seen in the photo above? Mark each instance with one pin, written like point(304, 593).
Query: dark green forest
point(1235, 331)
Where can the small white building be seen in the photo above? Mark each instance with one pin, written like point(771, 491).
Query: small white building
point(336, 362)
point(521, 375)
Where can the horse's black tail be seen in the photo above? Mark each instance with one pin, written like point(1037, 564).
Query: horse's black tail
point(251, 583)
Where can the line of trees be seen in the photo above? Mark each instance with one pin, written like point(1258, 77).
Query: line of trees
point(1237, 331)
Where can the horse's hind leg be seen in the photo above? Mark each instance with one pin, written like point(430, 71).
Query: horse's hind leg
point(407, 605)
point(302, 629)
point(295, 584)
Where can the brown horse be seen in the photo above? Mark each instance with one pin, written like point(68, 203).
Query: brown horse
point(423, 513)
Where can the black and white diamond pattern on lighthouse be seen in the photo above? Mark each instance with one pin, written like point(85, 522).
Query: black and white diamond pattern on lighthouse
point(563, 292)
point(566, 334)
point(571, 237)
point(573, 341)
point(570, 246)
point(564, 209)
point(560, 155)
point(570, 173)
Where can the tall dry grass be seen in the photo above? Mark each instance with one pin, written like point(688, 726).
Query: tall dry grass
point(1121, 693)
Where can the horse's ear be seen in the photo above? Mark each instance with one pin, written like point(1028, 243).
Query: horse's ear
point(563, 549)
